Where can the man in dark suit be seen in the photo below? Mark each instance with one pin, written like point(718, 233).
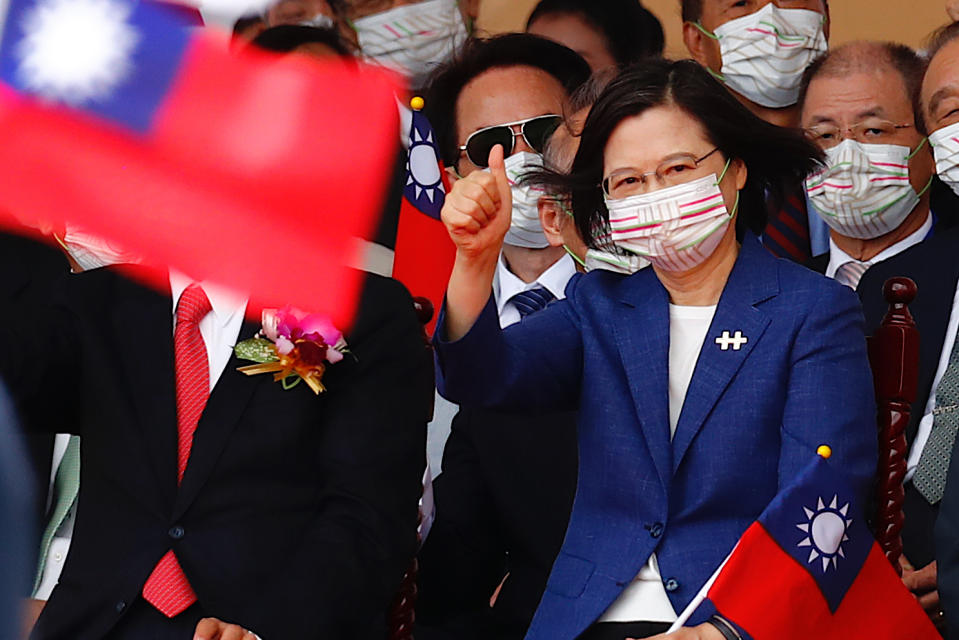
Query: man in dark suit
point(502, 506)
point(947, 549)
point(290, 514)
point(872, 214)
point(934, 266)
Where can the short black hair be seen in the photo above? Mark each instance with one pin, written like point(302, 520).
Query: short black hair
point(630, 30)
point(285, 38)
point(776, 158)
point(477, 56)
point(847, 59)
point(692, 10)
point(245, 22)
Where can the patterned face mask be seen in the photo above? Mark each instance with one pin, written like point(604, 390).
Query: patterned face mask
point(765, 53)
point(945, 146)
point(91, 252)
point(864, 192)
point(412, 39)
point(525, 230)
point(675, 228)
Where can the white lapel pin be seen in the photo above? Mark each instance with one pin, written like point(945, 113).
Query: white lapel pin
point(736, 341)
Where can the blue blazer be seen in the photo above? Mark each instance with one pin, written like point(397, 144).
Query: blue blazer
point(751, 420)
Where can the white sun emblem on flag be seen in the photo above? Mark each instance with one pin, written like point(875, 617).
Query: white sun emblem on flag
point(825, 531)
point(74, 51)
point(423, 167)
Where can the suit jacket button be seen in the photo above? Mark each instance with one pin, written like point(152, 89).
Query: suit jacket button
point(656, 529)
point(120, 606)
point(177, 532)
point(671, 585)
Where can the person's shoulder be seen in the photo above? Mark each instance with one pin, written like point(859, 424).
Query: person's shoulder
point(383, 301)
point(933, 258)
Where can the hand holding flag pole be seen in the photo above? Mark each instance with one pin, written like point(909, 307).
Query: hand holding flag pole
point(810, 568)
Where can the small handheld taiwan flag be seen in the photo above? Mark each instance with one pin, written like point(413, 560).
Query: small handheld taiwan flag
point(810, 568)
point(424, 252)
point(123, 118)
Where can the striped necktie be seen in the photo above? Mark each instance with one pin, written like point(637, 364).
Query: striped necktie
point(787, 232)
point(527, 302)
point(930, 478)
point(850, 273)
point(168, 588)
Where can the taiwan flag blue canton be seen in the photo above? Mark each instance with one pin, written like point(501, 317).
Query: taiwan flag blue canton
point(115, 59)
point(820, 523)
point(424, 172)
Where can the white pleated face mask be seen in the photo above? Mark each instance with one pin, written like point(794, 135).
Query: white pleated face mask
point(525, 230)
point(91, 252)
point(945, 146)
point(675, 228)
point(765, 53)
point(319, 21)
point(412, 39)
point(864, 192)
point(598, 260)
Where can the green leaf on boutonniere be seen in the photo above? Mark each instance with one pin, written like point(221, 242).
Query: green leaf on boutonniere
point(256, 350)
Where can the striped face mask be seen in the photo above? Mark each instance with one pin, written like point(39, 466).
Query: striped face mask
point(945, 146)
point(864, 192)
point(765, 53)
point(675, 228)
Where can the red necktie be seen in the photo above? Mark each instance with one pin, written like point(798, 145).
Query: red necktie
point(167, 588)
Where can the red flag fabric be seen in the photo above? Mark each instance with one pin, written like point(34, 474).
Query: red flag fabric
point(247, 170)
point(424, 253)
point(765, 592)
point(810, 568)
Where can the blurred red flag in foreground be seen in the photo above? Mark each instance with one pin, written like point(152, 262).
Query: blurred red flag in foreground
point(246, 170)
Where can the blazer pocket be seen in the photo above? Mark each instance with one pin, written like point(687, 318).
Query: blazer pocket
point(570, 575)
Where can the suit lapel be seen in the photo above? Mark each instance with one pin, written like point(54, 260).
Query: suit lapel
point(226, 404)
point(754, 278)
point(143, 329)
point(643, 341)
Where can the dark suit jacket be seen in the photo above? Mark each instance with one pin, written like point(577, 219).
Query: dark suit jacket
point(28, 272)
point(502, 506)
point(947, 548)
point(297, 513)
point(934, 265)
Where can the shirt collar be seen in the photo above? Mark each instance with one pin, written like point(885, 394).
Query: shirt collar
point(554, 279)
point(226, 303)
point(838, 257)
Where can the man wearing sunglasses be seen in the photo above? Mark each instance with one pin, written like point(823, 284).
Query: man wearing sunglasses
point(874, 192)
point(505, 491)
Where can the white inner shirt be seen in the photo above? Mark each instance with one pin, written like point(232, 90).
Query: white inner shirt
point(838, 257)
point(221, 327)
point(645, 599)
point(506, 285)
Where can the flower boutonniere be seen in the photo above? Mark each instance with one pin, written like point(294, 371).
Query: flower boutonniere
point(294, 346)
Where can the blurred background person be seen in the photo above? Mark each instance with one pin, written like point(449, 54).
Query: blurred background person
point(607, 33)
point(763, 70)
point(858, 104)
point(315, 42)
point(931, 432)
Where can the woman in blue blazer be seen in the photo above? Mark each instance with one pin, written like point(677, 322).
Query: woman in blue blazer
point(704, 384)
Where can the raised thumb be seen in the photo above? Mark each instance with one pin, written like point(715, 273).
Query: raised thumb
point(497, 167)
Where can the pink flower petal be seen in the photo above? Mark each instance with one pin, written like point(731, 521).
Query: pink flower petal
point(269, 321)
point(320, 324)
point(333, 356)
point(283, 346)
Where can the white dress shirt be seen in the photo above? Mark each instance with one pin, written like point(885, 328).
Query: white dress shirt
point(925, 425)
point(838, 257)
point(645, 598)
point(221, 327)
point(506, 285)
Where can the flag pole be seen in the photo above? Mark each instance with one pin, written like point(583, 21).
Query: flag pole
point(698, 600)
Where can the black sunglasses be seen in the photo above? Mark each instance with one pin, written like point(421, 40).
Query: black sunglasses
point(536, 131)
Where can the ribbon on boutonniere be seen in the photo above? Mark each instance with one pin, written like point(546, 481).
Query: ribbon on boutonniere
point(294, 346)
